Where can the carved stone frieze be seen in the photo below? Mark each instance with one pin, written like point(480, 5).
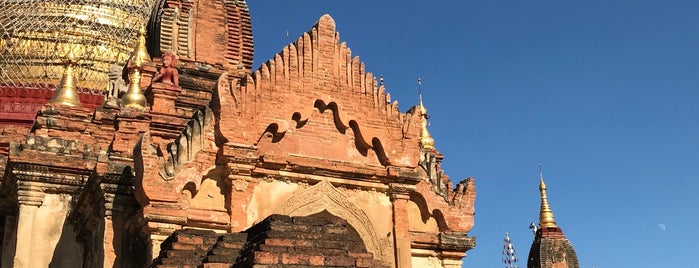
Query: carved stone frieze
point(166, 219)
point(57, 146)
point(46, 174)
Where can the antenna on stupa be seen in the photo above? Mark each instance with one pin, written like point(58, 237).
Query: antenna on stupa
point(419, 87)
point(508, 253)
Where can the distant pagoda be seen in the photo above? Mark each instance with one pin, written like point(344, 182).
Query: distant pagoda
point(550, 247)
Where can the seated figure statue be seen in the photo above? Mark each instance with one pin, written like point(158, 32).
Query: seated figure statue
point(168, 74)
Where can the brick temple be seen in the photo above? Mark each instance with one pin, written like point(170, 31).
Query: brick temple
point(550, 248)
point(304, 162)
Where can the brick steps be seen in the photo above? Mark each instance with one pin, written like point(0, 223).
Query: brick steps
point(314, 241)
point(226, 250)
point(322, 240)
point(185, 248)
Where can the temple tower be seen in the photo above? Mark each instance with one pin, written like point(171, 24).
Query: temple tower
point(550, 249)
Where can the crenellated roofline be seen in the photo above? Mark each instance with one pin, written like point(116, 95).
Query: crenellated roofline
point(314, 73)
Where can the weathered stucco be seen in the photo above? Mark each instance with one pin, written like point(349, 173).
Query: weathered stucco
point(47, 224)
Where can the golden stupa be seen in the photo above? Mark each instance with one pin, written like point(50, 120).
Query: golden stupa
point(426, 139)
point(35, 35)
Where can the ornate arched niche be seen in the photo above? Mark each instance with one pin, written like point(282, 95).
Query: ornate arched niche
point(325, 197)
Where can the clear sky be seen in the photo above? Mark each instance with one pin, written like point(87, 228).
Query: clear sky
point(604, 93)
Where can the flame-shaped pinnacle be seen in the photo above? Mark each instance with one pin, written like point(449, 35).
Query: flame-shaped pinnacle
point(134, 98)
point(140, 53)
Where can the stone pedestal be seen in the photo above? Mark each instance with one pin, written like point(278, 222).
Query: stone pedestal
point(163, 97)
point(131, 123)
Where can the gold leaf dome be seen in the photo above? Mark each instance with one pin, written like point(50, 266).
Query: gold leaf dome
point(35, 36)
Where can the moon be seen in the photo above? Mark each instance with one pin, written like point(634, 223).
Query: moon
point(662, 227)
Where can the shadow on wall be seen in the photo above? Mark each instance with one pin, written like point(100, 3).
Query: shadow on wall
point(131, 249)
point(134, 248)
point(68, 252)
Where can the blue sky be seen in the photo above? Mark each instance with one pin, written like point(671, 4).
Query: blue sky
point(603, 93)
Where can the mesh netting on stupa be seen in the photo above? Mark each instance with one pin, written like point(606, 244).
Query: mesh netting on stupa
point(36, 36)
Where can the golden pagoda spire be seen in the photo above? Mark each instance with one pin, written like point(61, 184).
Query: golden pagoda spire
point(66, 93)
point(545, 214)
point(426, 139)
point(141, 52)
point(134, 98)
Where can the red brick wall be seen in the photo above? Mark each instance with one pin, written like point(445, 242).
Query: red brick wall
point(315, 93)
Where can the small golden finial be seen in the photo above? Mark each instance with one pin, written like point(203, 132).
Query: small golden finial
point(426, 139)
point(134, 98)
point(545, 214)
point(140, 52)
point(66, 93)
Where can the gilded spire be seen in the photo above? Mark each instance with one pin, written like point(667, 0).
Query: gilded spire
point(134, 98)
point(140, 52)
point(66, 93)
point(426, 139)
point(545, 214)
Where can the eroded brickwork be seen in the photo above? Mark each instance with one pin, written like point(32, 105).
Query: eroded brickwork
point(551, 249)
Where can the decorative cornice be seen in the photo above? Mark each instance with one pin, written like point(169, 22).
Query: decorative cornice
point(456, 241)
point(50, 175)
